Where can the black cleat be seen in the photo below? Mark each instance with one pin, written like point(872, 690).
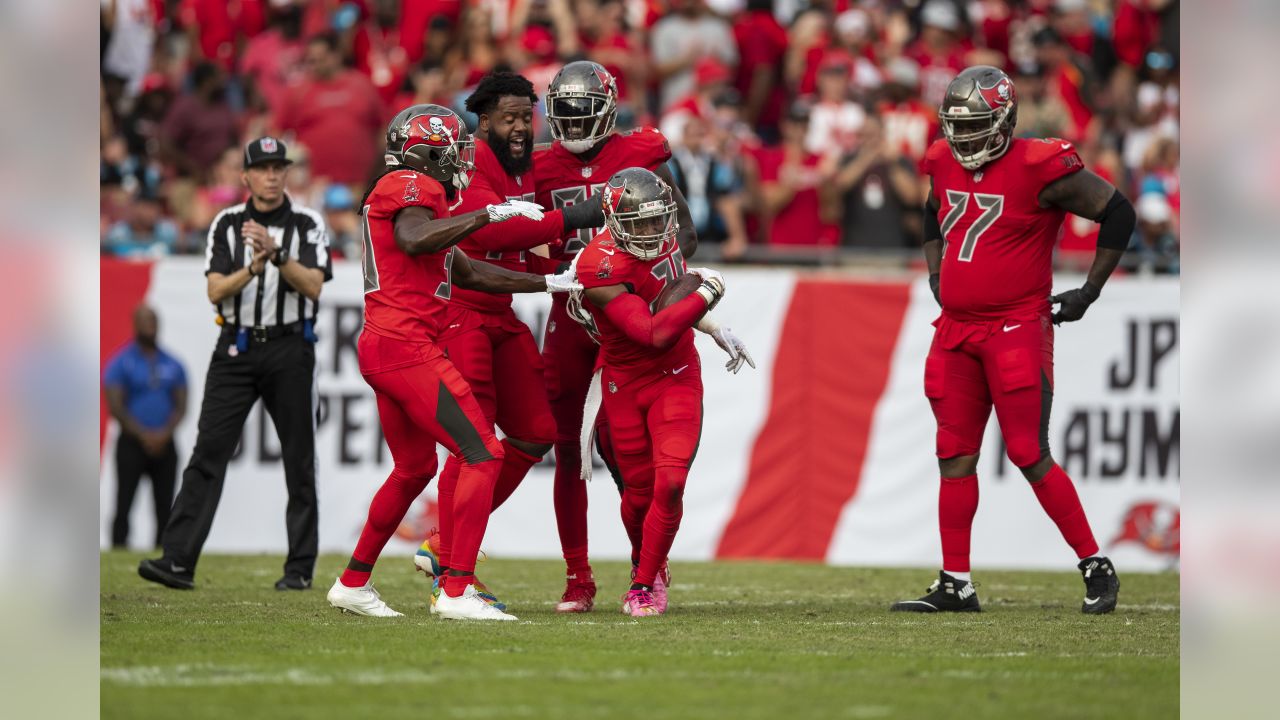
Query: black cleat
point(1102, 586)
point(293, 582)
point(946, 594)
point(166, 573)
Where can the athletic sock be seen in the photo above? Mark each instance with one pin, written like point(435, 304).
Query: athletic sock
point(455, 585)
point(957, 504)
point(577, 567)
point(636, 502)
point(386, 510)
point(569, 496)
point(662, 521)
point(515, 465)
point(1057, 495)
point(960, 576)
point(472, 500)
point(448, 485)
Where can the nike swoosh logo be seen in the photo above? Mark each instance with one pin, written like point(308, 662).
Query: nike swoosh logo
point(679, 370)
point(1066, 146)
point(1091, 601)
point(1007, 328)
point(178, 568)
point(607, 252)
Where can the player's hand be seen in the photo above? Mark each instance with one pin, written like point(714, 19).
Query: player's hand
point(1074, 303)
point(935, 285)
point(712, 287)
point(260, 258)
point(256, 233)
point(566, 281)
point(736, 349)
point(514, 208)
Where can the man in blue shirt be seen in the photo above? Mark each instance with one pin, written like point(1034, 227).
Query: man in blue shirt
point(147, 394)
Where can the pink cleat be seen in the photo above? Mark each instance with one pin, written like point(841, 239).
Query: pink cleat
point(661, 582)
point(640, 603)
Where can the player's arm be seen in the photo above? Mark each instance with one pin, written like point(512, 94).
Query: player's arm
point(418, 232)
point(221, 286)
point(1085, 194)
point(116, 405)
point(630, 314)
point(523, 233)
point(687, 237)
point(485, 277)
point(933, 242)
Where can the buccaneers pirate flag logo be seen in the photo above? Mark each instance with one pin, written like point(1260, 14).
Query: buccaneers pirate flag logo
point(1154, 525)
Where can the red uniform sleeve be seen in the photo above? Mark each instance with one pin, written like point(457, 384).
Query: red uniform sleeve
point(936, 152)
point(596, 268)
point(630, 314)
point(515, 234)
point(402, 189)
point(1051, 159)
point(651, 148)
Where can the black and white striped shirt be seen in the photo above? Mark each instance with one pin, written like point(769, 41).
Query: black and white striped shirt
point(263, 302)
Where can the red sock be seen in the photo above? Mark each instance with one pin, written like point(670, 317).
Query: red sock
point(455, 585)
point(569, 495)
point(957, 504)
point(515, 465)
point(1057, 495)
point(472, 500)
point(446, 487)
point(662, 521)
point(386, 510)
point(575, 560)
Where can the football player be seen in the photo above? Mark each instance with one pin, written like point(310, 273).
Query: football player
point(581, 108)
point(994, 211)
point(492, 348)
point(410, 267)
point(653, 400)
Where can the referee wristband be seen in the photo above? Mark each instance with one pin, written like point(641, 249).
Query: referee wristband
point(278, 258)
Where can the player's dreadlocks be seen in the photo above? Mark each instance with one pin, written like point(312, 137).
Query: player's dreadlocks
point(497, 85)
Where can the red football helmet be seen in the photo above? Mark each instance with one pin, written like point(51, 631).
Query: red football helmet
point(432, 140)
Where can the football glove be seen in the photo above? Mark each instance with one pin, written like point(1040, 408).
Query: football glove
point(566, 281)
point(712, 287)
point(514, 208)
point(730, 343)
point(1074, 303)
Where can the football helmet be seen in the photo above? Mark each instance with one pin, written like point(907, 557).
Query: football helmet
point(433, 140)
point(978, 115)
point(582, 105)
point(640, 212)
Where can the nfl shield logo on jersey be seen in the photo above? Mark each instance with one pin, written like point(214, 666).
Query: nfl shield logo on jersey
point(586, 171)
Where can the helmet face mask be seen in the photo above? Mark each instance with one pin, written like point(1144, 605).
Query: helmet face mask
point(978, 115)
point(582, 105)
point(434, 141)
point(640, 212)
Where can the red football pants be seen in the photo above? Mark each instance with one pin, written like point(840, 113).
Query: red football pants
point(428, 403)
point(499, 359)
point(974, 366)
point(570, 357)
point(656, 422)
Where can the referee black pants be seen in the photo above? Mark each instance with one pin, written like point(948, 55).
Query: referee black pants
point(132, 462)
point(282, 373)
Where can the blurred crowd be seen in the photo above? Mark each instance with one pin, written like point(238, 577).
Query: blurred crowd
point(797, 126)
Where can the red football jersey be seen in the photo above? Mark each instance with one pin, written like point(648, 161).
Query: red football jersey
point(502, 244)
point(404, 296)
point(997, 258)
point(602, 264)
point(562, 178)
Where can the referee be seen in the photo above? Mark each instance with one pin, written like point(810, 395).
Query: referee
point(266, 261)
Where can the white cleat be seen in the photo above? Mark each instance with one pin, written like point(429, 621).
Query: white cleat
point(360, 601)
point(467, 606)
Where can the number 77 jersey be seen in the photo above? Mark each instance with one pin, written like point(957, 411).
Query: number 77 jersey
point(997, 258)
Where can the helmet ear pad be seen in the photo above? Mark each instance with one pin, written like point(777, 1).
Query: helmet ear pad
point(428, 160)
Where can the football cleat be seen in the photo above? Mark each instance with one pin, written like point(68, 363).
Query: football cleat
point(435, 594)
point(468, 606)
point(579, 595)
point(946, 594)
point(487, 595)
point(639, 603)
point(359, 601)
point(1102, 586)
point(426, 559)
point(661, 582)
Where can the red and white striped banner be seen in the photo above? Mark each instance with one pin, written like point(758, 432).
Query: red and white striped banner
point(824, 453)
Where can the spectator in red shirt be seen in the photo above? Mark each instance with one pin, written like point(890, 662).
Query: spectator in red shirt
point(217, 26)
point(200, 125)
point(273, 59)
point(711, 78)
point(1137, 27)
point(836, 119)
point(762, 49)
point(379, 48)
point(1070, 75)
point(939, 50)
point(336, 114)
point(609, 42)
point(909, 124)
point(789, 181)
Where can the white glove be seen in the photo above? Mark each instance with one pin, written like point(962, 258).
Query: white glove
point(514, 208)
point(730, 343)
point(566, 281)
point(712, 288)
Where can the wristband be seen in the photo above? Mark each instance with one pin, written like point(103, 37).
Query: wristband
point(278, 257)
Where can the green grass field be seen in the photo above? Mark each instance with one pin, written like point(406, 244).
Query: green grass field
point(742, 640)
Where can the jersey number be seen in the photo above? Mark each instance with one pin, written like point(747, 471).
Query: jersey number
point(445, 290)
point(991, 206)
point(367, 261)
point(564, 197)
point(667, 271)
